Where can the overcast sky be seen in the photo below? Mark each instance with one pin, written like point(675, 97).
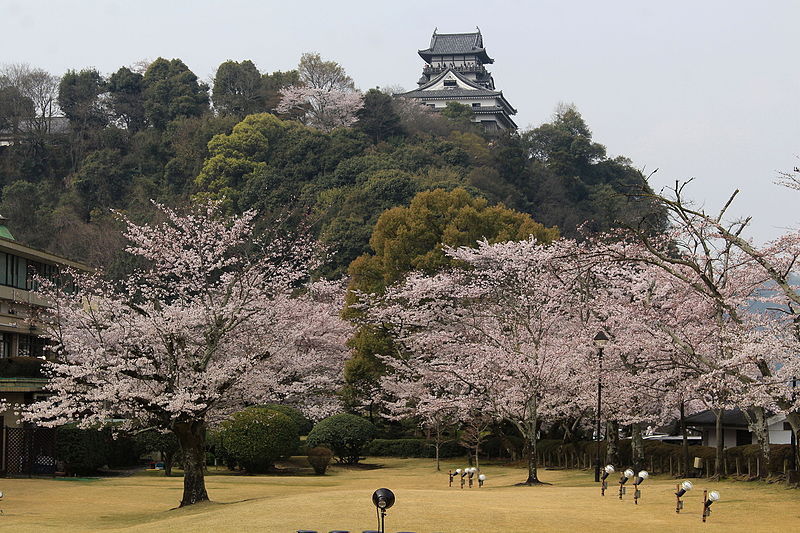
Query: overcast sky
point(702, 89)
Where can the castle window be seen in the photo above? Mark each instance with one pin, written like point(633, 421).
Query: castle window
point(476, 104)
point(449, 83)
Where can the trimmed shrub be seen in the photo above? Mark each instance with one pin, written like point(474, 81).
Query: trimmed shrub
point(319, 458)
point(411, 448)
point(83, 451)
point(304, 424)
point(257, 437)
point(345, 434)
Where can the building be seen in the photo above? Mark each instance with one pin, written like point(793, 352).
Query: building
point(735, 430)
point(22, 351)
point(455, 71)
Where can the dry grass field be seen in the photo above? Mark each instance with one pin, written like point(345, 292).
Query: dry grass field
point(341, 500)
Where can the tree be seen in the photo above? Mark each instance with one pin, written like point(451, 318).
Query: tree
point(126, 98)
point(209, 326)
point(326, 96)
point(414, 238)
point(171, 90)
point(324, 109)
point(37, 85)
point(320, 74)
point(15, 108)
point(458, 113)
point(238, 89)
point(377, 118)
point(497, 333)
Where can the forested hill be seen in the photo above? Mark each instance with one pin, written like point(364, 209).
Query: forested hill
point(76, 146)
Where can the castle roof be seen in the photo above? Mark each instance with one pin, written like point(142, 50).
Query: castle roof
point(453, 44)
point(465, 89)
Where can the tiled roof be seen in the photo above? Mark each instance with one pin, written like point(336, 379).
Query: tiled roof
point(456, 44)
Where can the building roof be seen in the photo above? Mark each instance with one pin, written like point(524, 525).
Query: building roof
point(456, 44)
point(730, 418)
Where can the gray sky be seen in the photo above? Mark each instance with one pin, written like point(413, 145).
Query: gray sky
point(703, 89)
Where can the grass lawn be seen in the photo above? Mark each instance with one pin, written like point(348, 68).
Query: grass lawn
point(425, 504)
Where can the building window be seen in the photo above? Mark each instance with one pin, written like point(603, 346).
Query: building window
point(476, 104)
point(5, 344)
point(449, 83)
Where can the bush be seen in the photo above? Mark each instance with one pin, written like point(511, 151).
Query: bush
point(257, 437)
point(411, 448)
point(345, 434)
point(83, 451)
point(319, 458)
point(304, 425)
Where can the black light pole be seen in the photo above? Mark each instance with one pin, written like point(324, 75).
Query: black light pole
point(600, 340)
point(793, 439)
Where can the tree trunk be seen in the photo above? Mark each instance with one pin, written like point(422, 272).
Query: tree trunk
point(612, 443)
point(530, 432)
point(720, 443)
point(436, 446)
point(684, 442)
point(168, 458)
point(758, 425)
point(637, 447)
point(793, 417)
point(192, 436)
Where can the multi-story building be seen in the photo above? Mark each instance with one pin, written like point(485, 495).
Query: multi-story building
point(455, 71)
point(22, 348)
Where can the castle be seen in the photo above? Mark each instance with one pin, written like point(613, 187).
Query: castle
point(454, 71)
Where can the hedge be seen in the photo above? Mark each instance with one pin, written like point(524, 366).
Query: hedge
point(412, 448)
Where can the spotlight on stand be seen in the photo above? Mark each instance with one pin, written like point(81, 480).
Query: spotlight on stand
point(640, 477)
point(471, 475)
point(708, 499)
point(683, 488)
point(626, 475)
point(607, 471)
point(382, 499)
point(452, 475)
point(463, 474)
point(481, 479)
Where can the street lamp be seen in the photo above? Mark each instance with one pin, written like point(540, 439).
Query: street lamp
point(382, 499)
point(640, 477)
point(708, 499)
point(684, 488)
point(600, 340)
point(626, 475)
point(608, 470)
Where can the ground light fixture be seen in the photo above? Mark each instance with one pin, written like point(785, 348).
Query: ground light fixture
point(607, 471)
point(452, 474)
point(382, 499)
point(463, 474)
point(481, 479)
point(624, 479)
point(708, 499)
point(471, 475)
point(640, 477)
point(683, 488)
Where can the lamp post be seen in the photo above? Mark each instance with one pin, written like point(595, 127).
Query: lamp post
point(600, 340)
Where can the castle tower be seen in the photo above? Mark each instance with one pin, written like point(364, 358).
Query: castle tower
point(454, 71)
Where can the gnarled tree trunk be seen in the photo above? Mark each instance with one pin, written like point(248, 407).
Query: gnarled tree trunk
point(757, 420)
point(192, 437)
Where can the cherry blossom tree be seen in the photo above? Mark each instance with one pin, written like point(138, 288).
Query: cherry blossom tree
point(212, 324)
point(326, 99)
point(500, 332)
point(324, 109)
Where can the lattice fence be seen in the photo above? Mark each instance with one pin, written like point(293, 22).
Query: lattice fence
point(30, 451)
